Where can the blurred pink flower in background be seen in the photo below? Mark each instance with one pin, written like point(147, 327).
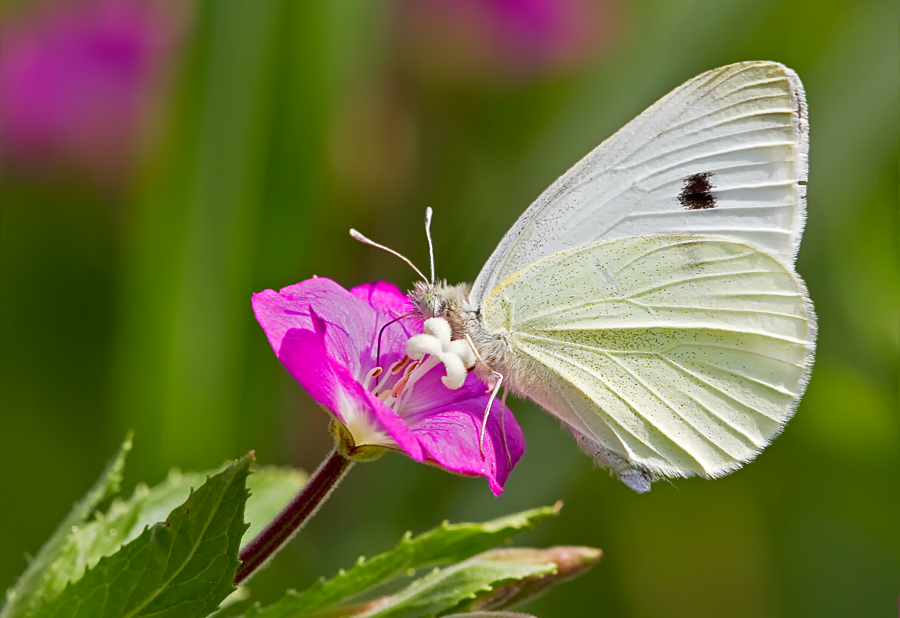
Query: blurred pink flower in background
point(77, 81)
point(471, 40)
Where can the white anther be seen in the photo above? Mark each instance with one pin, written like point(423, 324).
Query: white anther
point(463, 350)
point(457, 356)
point(420, 346)
point(440, 328)
point(456, 371)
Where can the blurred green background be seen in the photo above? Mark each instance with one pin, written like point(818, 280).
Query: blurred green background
point(164, 161)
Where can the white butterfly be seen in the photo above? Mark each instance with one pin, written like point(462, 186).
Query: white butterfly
point(648, 298)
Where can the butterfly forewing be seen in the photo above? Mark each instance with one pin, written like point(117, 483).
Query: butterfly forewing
point(722, 155)
point(679, 354)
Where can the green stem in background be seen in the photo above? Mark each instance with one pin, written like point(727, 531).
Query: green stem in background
point(276, 535)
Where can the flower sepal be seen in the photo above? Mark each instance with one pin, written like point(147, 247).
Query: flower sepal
point(347, 447)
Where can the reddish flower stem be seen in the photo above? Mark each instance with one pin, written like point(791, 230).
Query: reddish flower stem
point(274, 536)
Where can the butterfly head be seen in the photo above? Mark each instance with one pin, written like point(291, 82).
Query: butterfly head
point(427, 300)
point(430, 297)
point(438, 300)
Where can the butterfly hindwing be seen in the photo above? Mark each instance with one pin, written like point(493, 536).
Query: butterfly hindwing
point(680, 355)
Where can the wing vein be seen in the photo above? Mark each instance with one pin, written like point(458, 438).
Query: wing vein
point(709, 140)
point(668, 404)
point(619, 396)
point(689, 121)
point(772, 387)
point(734, 118)
point(716, 170)
point(722, 309)
point(718, 389)
point(694, 278)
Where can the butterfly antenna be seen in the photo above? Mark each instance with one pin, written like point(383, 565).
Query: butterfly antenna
point(428, 213)
point(357, 236)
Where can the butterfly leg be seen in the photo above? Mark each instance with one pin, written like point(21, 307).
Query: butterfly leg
point(487, 412)
point(503, 427)
point(498, 379)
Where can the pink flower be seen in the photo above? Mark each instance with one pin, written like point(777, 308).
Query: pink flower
point(76, 80)
point(327, 338)
point(506, 39)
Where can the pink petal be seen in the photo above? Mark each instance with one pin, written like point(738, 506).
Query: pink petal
point(450, 437)
point(351, 322)
point(448, 425)
point(383, 296)
point(304, 355)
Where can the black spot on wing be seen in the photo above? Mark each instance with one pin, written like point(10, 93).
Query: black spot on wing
point(697, 192)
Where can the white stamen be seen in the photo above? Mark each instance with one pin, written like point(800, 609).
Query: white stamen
point(461, 348)
point(420, 370)
point(456, 371)
point(440, 328)
point(398, 366)
point(394, 369)
point(410, 368)
point(370, 376)
point(399, 386)
point(420, 346)
point(403, 385)
point(435, 342)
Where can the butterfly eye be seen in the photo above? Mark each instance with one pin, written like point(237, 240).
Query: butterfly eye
point(437, 307)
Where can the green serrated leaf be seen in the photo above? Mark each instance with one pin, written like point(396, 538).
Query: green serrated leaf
point(444, 590)
point(181, 568)
point(271, 488)
point(88, 543)
point(445, 544)
point(568, 562)
point(241, 594)
point(46, 573)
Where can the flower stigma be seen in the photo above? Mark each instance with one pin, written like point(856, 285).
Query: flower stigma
point(435, 343)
